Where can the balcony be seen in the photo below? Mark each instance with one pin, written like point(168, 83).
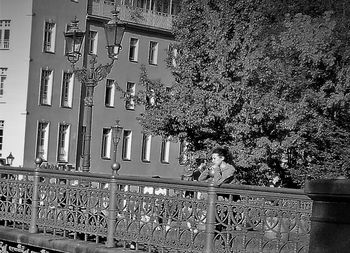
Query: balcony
point(157, 14)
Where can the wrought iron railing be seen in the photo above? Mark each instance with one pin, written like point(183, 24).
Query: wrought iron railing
point(154, 215)
point(133, 14)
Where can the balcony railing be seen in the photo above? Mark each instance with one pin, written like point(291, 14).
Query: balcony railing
point(133, 14)
point(154, 215)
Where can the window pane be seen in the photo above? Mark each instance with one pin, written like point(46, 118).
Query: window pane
point(130, 90)
point(5, 34)
point(106, 143)
point(146, 148)
point(42, 140)
point(49, 37)
point(46, 87)
point(153, 52)
point(165, 151)
point(67, 90)
point(63, 143)
point(93, 42)
point(109, 95)
point(2, 122)
point(126, 152)
point(133, 52)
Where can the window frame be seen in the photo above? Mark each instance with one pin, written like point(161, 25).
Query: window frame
point(63, 142)
point(93, 42)
point(130, 89)
point(2, 129)
point(109, 93)
point(146, 148)
point(165, 151)
point(106, 143)
point(127, 145)
point(153, 52)
point(5, 34)
point(49, 40)
point(67, 90)
point(3, 77)
point(44, 139)
point(49, 83)
point(133, 49)
point(182, 149)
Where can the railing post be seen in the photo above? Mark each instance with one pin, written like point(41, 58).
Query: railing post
point(211, 219)
point(33, 228)
point(112, 206)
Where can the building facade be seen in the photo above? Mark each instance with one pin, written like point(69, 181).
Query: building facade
point(15, 33)
point(53, 111)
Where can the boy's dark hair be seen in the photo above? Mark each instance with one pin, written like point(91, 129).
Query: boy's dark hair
point(224, 152)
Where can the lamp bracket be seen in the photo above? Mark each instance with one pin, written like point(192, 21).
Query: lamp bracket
point(93, 74)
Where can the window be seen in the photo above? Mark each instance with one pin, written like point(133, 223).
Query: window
point(109, 96)
point(146, 148)
point(165, 151)
point(126, 152)
point(3, 75)
point(5, 34)
point(46, 87)
point(134, 49)
point(130, 90)
point(92, 42)
point(1, 133)
point(42, 140)
point(173, 52)
point(106, 143)
point(49, 37)
point(183, 151)
point(63, 143)
point(153, 52)
point(67, 89)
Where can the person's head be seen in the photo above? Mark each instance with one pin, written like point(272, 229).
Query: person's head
point(218, 155)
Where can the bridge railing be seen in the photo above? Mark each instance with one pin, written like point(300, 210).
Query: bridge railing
point(155, 215)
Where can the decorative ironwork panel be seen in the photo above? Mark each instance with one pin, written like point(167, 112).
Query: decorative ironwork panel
point(262, 222)
point(152, 217)
point(73, 208)
point(16, 192)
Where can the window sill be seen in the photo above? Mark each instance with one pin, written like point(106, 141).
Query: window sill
point(133, 61)
point(126, 159)
point(105, 158)
point(49, 52)
point(109, 106)
point(48, 105)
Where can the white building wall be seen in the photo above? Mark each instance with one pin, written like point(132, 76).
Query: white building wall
point(16, 60)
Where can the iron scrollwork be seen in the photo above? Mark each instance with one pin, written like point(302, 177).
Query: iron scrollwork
point(92, 75)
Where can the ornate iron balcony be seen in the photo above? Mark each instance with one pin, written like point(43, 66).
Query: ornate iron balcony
point(134, 14)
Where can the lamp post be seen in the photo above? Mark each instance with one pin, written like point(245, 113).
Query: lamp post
point(116, 134)
point(9, 159)
point(90, 77)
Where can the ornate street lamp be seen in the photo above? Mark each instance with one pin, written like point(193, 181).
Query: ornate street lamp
point(116, 134)
point(9, 159)
point(91, 76)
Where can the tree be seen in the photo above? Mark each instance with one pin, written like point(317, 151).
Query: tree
point(268, 79)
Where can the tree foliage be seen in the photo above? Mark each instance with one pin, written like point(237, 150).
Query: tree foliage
point(267, 78)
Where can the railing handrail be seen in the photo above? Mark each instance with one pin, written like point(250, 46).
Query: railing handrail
point(142, 180)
